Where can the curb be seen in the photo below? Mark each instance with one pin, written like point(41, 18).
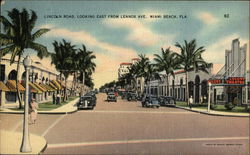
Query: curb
point(212, 114)
point(40, 112)
point(44, 148)
point(59, 113)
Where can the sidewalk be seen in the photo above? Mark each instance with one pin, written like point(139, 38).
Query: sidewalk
point(215, 113)
point(65, 109)
point(10, 142)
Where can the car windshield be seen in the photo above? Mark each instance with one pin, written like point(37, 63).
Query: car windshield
point(86, 98)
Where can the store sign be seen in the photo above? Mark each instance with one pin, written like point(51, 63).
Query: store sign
point(235, 80)
point(229, 81)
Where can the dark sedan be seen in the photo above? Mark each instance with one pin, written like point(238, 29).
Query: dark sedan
point(167, 101)
point(86, 102)
point(111, 97)
point(131, 96)
point(150, 102)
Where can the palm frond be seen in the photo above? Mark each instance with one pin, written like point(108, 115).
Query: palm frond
point(39, 32)
point(41, 50)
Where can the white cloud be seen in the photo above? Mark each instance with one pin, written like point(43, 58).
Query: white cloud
point(139, 33)
point(215, 52)
point(207, 18)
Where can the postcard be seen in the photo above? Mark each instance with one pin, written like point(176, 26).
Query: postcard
point(124, 77)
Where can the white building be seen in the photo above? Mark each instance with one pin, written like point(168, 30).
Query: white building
point(123, 69)
point(233, 78)
point(197, 81)
point(43, 82)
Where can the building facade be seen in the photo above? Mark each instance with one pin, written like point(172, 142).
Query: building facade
point(232, 81)
point(197, 85)
point(43, 82)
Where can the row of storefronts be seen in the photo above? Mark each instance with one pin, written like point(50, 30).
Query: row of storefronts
point(42, 92)
point(229, 84)
point(44, 82)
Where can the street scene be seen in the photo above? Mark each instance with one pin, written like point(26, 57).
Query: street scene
point(129, 77)
point(125, 127)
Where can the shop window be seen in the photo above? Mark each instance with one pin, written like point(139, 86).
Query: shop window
point(11, 96)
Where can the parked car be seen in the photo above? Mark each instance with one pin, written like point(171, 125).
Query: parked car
point(150, 102)
point(91, 93)
point(131, 96)
point(167, 101)
point(86, 102)
point(111, 97)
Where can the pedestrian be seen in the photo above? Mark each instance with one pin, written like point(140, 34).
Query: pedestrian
point(190, 102)
point(33, 111)
point(54, 98)
point(58, 96)
point(201, 100)
point(205, 99)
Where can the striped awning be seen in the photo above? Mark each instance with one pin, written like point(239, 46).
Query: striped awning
point(53, 86)
point(3, 87)
point(57, 84)
point(11, 84)
point(33, 88)
point(61, 83)
point(39, 87)
point(49, 87)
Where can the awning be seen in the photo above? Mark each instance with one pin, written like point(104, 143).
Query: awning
point(3, 87)
point(49, 87)
point(11, 84)
point(34, 88)
point(53, 86)
point(57, 84)
point(62, 85)
point(39, 87)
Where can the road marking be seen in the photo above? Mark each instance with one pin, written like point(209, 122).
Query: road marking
point(52, 125)
point(136, 141)
point(136, 112)
point(17, 125)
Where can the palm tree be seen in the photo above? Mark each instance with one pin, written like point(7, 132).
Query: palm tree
point(142, 64)
point(63, 60)
point(191, 59)
point(168, 62)
point(18, 36)
point(85, 62)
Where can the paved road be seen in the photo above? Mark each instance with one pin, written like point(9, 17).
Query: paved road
point(127, 128)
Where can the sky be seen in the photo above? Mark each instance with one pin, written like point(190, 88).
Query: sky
point(115, 40)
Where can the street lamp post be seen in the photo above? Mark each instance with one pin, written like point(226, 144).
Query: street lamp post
point(26, 147)
point(209, 96)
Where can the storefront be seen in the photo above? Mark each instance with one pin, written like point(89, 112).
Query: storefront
point(232, 90)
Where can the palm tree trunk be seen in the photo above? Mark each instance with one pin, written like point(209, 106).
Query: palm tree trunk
point(187, 91)
point(83, 81)
point(167, 86)
point(17, 81)
point(65, 98)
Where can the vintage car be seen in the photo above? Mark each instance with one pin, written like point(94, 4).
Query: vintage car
point(167, 101)
point(86, 102)
point(131, 96)
point(111, 97)
point(150, 102)
point(92, 93)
